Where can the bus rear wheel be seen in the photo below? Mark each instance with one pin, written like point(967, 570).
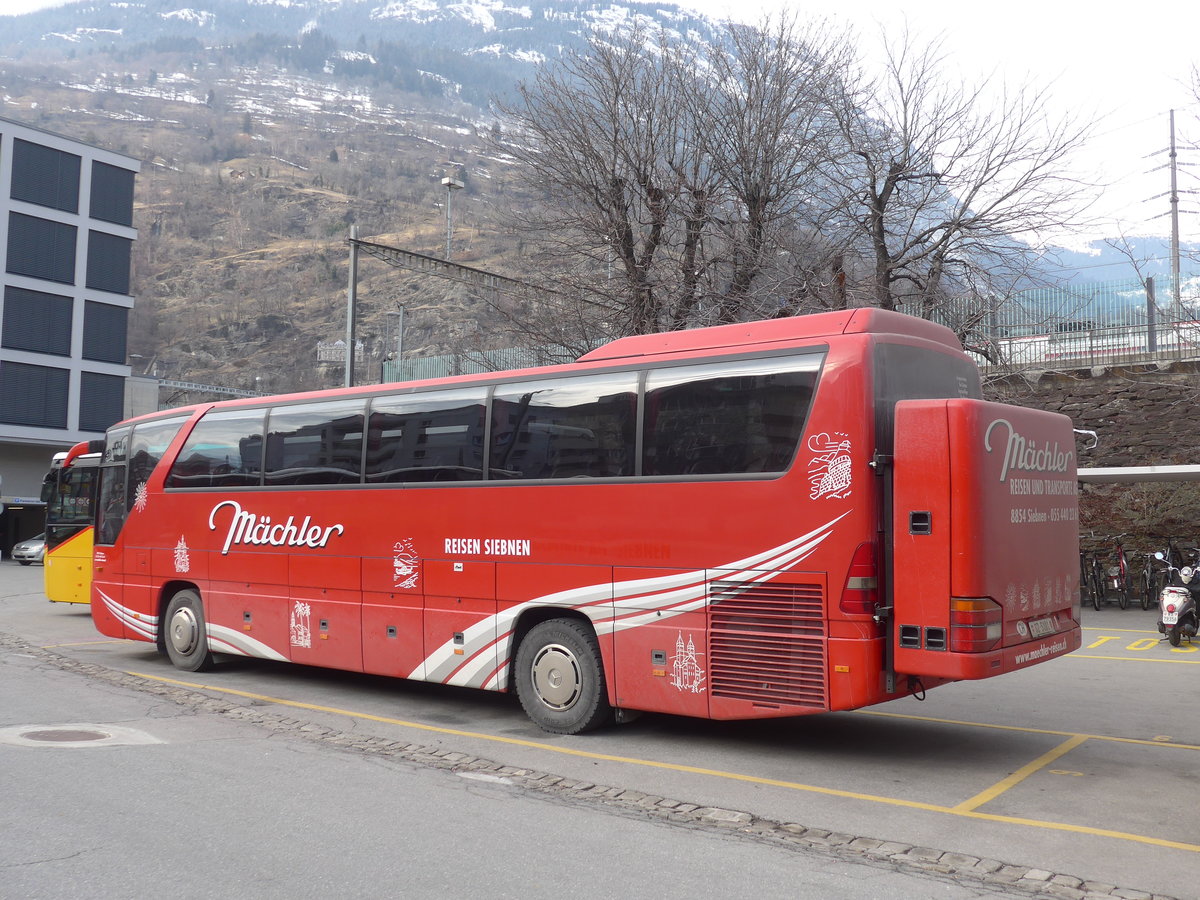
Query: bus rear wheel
point(186, 634)
point(560, 677)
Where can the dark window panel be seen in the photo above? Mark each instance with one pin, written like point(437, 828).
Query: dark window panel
point(45, 176)
point(427, 437)
point(583, 427)
point(101, 400)
point(104, 332)
point(150, 441)
point(39, 248)
point(112, 194)
point(727, 418)
point(33, 395)
point(37, 322)
point(108, 262)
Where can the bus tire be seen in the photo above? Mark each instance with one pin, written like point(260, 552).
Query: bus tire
point(186, 637)
point(560, 677)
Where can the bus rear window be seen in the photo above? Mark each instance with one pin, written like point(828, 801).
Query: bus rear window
point(727, 418)
point(223, 450)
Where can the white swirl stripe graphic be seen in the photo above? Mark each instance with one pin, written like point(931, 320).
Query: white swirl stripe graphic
point(139, 623)
point(227, 640)
point(483, 656)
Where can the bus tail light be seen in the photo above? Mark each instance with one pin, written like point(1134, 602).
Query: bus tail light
point(976, 624)
point(861, 594)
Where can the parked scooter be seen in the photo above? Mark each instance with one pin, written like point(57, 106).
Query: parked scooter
point(1177, 617)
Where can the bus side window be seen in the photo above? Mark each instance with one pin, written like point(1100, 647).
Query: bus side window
point(436, 436)
point(730, 418)
point(566, 428)
point(223, 450)
point(317, 443)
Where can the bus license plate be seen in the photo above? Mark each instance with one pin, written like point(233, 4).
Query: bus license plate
point(1170, 618)
point(1042, 627)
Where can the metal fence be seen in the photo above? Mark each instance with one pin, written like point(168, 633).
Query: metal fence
point(1090, 324)
point(470, 363)
point(1073, 326)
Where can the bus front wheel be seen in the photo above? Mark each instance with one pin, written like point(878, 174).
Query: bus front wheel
point(186, 636)
point(560, 677)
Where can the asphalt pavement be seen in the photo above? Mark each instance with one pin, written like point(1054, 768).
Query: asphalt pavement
point(124, 786)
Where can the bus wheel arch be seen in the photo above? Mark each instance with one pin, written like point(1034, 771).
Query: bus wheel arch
point(558, 674)
point(183, 634)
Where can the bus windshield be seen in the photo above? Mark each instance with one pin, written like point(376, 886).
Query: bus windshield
point(70, 496)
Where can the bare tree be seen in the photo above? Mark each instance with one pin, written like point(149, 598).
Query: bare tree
point(602, 144)
point(678, 178)
point(949, 189)
point(689, 184)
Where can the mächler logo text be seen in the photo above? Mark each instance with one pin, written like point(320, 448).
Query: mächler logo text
point(1027, 455)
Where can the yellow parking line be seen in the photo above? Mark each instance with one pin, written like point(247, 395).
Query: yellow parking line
point(1148, 659)
point(1021, 774)
point(1122, 630)
point(695, 770)
point(83, 644)
point(1026, 730)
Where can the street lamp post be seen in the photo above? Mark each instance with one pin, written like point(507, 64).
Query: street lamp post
point(451, 185)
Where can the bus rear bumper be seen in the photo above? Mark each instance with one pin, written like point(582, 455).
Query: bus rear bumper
point(967, 666)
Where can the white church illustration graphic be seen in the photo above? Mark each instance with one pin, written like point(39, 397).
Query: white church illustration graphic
point(686, 674)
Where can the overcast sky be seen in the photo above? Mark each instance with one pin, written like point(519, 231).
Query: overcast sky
point(1124, 67)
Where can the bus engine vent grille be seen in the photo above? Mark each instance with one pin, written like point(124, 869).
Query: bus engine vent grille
point(768, 643)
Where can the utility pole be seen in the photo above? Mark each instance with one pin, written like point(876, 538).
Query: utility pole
point(452, 185)
point(351, 303)
point(1175, 296)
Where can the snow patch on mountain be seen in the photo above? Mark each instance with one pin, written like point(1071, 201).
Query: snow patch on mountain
point(481, 15)
point(192, 16)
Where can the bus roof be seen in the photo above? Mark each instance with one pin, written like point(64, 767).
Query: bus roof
point(749, 335)
point(770, 331)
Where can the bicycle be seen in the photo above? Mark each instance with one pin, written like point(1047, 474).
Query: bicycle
point(1095, 579)
point(1149, 582)
point(1119, 576)
point(1087, 590)
point(1110, 574)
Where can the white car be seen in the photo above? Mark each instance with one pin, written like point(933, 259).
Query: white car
point(30, 551)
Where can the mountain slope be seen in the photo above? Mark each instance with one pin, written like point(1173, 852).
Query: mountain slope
point(265, 130)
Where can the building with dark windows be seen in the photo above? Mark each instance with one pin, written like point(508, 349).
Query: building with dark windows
point(66, 234)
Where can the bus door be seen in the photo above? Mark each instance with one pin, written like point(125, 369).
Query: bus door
point(70, 493)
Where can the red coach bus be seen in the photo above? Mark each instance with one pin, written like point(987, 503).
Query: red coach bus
point(766, 519)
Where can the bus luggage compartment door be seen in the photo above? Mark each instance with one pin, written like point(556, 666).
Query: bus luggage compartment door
point(984, 536)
